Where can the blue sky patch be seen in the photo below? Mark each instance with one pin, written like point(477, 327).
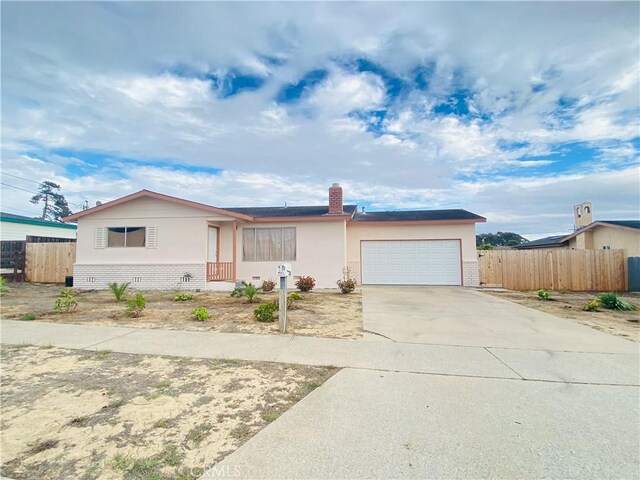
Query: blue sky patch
point(116, 165)
point(234, 83)
point(294, 91)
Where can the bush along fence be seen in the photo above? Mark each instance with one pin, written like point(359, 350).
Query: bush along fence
point(554, 269)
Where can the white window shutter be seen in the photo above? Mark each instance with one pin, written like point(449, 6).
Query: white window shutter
point(152, 237)
point(101, 237)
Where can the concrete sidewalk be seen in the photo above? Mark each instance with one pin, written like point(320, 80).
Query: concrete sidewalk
point(472, 361)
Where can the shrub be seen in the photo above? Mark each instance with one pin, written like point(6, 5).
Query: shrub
point(66, 302)
point(183, 297)
point(592, 306)
point(236, 292)
point(347, 285)
point(543, 295)
point(3, 284)
point(118, 289)
point(265, 312)
point(295, 296)
point(291, 299)
point(268, 285)
point(201, 313)
point(136, 305)
point(305, 284)
point(28, 317)
point(485, 246)
point(611, 301)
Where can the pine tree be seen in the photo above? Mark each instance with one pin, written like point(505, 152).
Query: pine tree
point(54, 204)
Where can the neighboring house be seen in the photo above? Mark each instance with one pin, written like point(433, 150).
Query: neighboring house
point(590, 235)
point(157, 241)
point(17, 227)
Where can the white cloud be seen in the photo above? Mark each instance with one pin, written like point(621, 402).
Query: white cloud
point(106, 87)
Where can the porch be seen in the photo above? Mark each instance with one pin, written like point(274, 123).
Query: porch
point(222, 251)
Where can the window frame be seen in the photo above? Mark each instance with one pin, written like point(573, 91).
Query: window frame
point(125, 237)
point(282, 248)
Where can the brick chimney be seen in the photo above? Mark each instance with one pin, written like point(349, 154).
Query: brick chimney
point(335, 199)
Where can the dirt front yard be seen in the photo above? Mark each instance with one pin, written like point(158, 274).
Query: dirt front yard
point(570, 305)
point(320, 313)
point(70, 414)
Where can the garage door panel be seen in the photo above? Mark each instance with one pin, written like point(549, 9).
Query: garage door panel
point(411, 262)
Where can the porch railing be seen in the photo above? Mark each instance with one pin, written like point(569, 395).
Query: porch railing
point(219, 271)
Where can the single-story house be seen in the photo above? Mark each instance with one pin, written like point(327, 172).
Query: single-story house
point(156, 241)
point(17, 227)
point(601, 234)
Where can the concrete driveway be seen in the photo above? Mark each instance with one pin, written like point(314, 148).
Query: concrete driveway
point(462, 316)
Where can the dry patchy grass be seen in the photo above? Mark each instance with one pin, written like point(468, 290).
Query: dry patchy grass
point(570, 305)
point(321, 313)
point(102, 415)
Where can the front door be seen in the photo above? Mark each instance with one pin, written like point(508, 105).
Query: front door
point(213, 245)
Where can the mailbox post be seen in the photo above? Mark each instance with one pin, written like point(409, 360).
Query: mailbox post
point(283, 271)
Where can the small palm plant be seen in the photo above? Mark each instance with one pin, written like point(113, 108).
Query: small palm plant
point(118, 289)
point(248, 290)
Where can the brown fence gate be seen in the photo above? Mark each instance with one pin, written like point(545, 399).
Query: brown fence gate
point(49, 262)
point(554, 269)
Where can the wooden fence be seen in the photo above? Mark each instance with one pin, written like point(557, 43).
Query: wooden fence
point(49, 262)
point(554, 269)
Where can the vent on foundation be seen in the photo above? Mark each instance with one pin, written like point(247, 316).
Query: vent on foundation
point(185, 278)
point(91, 279)
point(136, 279)
point(255, 277)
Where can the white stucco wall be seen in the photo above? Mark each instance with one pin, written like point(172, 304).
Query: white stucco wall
point(182, 245)
point(465, 232)
point(19, 231)
point(320, 253)
point(616, 238)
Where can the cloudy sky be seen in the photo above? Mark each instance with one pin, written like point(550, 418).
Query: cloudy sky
point(515, 111)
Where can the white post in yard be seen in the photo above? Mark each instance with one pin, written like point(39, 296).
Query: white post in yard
point(282, 311)
point(283, 271)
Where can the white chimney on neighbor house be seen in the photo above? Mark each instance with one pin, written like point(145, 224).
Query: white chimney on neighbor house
point(335, 199)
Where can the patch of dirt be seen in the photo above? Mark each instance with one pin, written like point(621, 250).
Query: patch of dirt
point(103, 415)
point(570, 305)
point(321, 313)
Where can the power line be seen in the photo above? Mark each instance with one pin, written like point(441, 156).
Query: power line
point(21, 178)
point(31, 191)
point(17, 188)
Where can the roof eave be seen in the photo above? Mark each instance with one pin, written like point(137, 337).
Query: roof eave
point(302, 218)
point(459, 221)
point(159, 196)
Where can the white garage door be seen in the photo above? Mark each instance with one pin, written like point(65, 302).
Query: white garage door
point(411, 262)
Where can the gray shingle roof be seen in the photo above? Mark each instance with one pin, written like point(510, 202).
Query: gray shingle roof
point(623, 223)
point(416, 215)
point(555, 240)
point(304, 211)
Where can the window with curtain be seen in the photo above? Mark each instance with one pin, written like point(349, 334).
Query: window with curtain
point(268, 244)
point(126, 236)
